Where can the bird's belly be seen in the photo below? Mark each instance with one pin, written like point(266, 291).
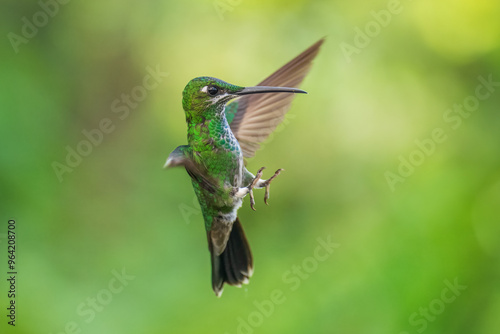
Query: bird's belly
point(222, 205)
point(225, 169)
point(225, 166)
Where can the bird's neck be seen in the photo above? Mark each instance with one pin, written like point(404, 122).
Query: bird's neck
point(206, 130)
point(213, 112)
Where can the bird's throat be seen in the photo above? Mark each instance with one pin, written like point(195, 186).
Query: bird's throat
point(208, 130)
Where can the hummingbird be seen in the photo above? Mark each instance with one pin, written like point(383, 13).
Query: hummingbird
point(220, 137)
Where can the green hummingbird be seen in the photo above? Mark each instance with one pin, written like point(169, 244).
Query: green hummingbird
point(220, 136)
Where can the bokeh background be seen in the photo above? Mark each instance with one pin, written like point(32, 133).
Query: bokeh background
point(119, 210)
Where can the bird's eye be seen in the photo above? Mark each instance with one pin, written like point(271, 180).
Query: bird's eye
point(212, 90)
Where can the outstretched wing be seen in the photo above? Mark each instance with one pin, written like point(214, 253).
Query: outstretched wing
point(252, 118)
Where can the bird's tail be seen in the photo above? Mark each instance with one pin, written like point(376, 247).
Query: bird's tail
point(234, 265)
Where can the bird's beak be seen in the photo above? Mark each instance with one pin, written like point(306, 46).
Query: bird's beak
point(266, 89)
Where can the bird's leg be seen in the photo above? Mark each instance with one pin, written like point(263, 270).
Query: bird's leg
point(256, 182)
point(242, 192)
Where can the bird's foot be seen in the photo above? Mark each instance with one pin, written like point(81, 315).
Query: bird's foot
point(267, 184)
point(257, 182)
point(243, 191)
point(254, 183)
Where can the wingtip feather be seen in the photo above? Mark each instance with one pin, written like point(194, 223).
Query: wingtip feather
point(251, 108)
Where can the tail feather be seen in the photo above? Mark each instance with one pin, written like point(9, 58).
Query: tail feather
point(234, 265)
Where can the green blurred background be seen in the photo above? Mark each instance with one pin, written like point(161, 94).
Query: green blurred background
point(119, 210)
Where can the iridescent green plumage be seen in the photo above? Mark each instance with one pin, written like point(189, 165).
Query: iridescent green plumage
point(212, 146)
point(219, 138)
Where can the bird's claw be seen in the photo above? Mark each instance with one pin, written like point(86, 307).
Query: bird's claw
point(258, 183)
point(255, 180)
point(267, 184)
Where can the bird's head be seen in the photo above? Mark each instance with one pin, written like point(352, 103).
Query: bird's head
point(204, 94)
